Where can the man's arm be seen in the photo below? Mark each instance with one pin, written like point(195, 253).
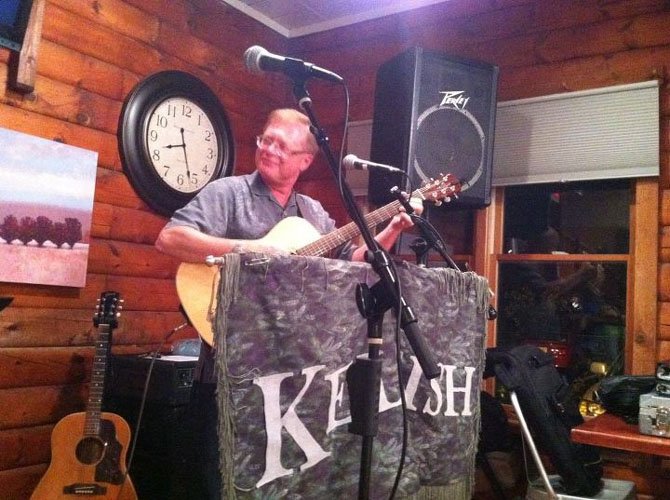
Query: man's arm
point(387, 237)
point(190, 245)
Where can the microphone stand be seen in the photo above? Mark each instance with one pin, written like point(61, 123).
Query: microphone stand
point(364, 375)
point(429, 239)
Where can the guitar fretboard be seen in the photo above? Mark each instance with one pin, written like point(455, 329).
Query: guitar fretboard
point(435, 191)
point(349, 231)
point(94, 405)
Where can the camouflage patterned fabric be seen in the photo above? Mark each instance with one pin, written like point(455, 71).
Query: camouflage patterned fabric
point(288, 328)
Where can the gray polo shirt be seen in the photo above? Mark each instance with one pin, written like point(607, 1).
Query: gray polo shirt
point(242, 207)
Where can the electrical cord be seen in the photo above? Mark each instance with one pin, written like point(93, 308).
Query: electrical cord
point(155, 355)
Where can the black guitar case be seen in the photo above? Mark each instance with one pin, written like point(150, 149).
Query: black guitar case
point(550, 413)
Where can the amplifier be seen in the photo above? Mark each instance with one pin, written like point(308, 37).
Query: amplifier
point(171, 378)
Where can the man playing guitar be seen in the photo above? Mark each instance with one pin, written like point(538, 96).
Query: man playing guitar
point(236, 214)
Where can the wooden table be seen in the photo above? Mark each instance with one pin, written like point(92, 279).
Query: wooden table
point(610, 431)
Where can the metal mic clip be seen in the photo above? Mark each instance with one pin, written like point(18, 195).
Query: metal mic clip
point(403, 198)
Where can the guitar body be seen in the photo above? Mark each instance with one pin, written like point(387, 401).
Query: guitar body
point(197, 283)
point(291, 234)
point(87, 466)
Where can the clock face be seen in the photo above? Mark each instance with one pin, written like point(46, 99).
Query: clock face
point(174, 139)
point(182, 144)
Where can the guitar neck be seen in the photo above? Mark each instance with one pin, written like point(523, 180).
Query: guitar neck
point(436, 191)
point(97, 389)
point(349, 231)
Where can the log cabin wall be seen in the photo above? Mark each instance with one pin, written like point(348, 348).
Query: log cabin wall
point(94, 51)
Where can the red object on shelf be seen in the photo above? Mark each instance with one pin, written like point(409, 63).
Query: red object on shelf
point(559, 350)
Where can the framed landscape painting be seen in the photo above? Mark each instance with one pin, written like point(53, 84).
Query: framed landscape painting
point(46, 203)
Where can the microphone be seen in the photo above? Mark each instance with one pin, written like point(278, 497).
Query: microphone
point(352, 161)
point(257, 60)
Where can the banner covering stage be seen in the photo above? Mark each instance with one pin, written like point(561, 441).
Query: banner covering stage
point(287, 329)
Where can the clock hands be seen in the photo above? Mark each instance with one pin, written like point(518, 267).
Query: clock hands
point(183, 146)
point(188, 172)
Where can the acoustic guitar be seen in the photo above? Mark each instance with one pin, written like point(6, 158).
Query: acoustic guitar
point(197, 283)
point(88, 449)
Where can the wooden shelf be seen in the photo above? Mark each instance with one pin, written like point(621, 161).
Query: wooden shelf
point(562, 257)
point(610, 431)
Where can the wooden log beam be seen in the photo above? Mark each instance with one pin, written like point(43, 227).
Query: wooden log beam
point(26, 69)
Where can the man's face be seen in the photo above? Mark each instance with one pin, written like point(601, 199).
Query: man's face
point(281, 157)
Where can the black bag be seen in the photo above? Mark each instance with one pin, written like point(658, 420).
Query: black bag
point(620, 395)
point(550, 413)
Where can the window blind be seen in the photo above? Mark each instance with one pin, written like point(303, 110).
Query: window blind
point(606, 133)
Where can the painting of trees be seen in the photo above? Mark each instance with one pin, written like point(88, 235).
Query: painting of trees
point(41, 229)
point(46, 202)
point(73, 232)
point(58, 234)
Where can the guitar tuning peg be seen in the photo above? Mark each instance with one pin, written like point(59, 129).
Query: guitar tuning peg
point(118, 315)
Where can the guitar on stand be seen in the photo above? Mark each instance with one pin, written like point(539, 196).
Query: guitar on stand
point(88, 449)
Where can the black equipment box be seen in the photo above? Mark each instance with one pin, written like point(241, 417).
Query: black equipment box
point(170, 384)
point(161, 466)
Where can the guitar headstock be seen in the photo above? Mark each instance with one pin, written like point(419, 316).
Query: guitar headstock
point(443, 189)
point(108, 309)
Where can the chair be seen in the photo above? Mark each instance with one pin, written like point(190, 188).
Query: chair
point(548, 486)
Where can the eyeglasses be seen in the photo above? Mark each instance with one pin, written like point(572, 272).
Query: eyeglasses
point(280, 149)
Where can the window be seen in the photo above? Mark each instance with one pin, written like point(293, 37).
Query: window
point(562, 278)
point(574, 269)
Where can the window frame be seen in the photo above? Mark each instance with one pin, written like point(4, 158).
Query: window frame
point(641, 260)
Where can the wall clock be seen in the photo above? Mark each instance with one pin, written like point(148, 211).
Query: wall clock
point(174, 138)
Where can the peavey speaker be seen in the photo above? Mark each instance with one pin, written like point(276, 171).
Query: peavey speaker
point(434, 114)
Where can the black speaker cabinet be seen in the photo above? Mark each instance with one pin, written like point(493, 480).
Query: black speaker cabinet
point(434, 114)
point(162, 465)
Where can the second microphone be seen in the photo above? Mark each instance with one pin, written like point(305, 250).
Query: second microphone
point(353, 162)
